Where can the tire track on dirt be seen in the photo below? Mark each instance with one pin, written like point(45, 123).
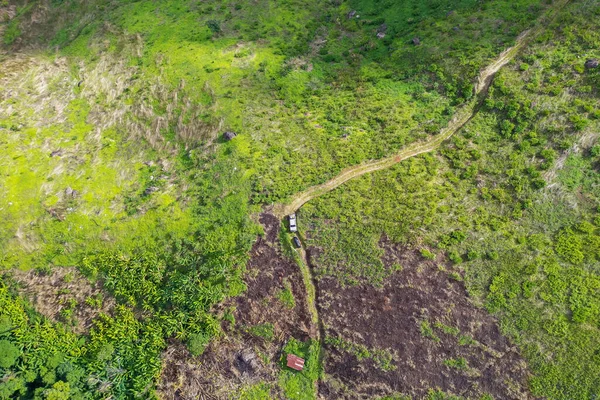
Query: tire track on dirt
point(459, 120)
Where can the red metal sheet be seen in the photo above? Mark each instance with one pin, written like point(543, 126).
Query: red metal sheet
point(295, 362)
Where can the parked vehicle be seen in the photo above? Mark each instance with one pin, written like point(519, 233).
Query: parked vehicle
point(297, 243)
point(293, 226)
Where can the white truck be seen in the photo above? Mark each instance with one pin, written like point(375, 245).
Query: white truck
point(293, 226)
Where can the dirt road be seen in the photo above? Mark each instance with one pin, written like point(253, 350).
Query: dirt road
point(458, 121)
point(463, 116)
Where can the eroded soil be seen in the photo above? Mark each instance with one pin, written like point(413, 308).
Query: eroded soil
point(395, 319)
point(240, 358)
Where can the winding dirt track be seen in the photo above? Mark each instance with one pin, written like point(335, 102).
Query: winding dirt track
point(463, 116)
point(458, 121)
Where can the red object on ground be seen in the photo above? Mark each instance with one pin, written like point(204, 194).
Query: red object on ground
point(295, 362)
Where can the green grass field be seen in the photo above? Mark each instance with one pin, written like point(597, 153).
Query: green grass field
point(112, 161)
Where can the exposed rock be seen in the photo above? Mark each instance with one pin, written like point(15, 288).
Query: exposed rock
point(229, 135)
point(416, 41)
point(351, 14)
point(55, 213)
point(56, 153)
point(381, 31)
point(592, 63)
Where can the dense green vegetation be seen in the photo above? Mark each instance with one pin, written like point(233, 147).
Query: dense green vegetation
point(42, 360)
point(312, 96)
point(112, 162)
point(512, 201)
point(300, 385)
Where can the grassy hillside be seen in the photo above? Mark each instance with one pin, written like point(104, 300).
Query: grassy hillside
point(311, 97)
point(113, 162)
point(512, 202)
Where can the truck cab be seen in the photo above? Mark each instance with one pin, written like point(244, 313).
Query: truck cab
point(293, 226)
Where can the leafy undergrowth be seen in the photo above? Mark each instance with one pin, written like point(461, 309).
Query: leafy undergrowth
point(513, 201)
point(51, 362)
point(111, 160)
point(156, 230)
point(314, 89)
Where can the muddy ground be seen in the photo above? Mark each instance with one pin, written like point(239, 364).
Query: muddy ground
point(239, 358)
point(422, 318)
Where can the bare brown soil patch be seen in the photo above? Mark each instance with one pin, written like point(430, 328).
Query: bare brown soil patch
point(268, 273)
point(7, 12)
point(54, 293)
point(395, 319)
point(240, 358)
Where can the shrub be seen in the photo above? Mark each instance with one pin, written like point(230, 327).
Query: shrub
point(427, 254)
point(427, 331)
point(586, 227)
point(472, 255)
point(334, 58)
point(265, 331)
point(458, 363)
point(214, 26)
point(455, 257)
point(9, 354)
point(569, 246)
point(579, 122)
point(12, 32)
point(538, 183)
point(197, 342)
point(286, 297)
point(507, 128)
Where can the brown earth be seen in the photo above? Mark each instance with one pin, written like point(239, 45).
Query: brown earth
point(391, 319)
point(240, 359)
point(267, 274)
point(52, 292)
point(7, 12)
